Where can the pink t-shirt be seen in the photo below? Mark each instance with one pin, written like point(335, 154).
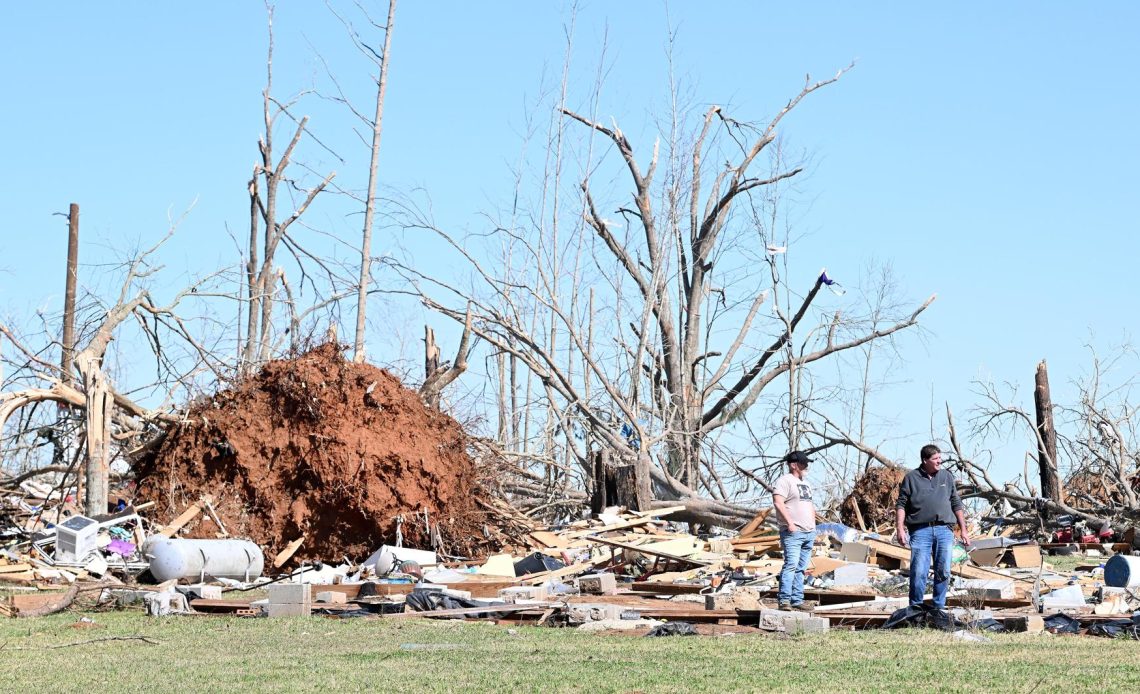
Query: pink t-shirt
point(797, 499)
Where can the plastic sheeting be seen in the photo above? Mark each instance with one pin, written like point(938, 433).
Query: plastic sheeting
point(1062, 624)
point(1118, 628)
point(673, 629)
point(923, 616)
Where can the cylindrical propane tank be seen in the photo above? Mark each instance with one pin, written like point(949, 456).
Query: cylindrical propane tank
point(203, 559)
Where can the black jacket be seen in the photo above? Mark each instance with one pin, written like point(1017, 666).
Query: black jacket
point(929, 499)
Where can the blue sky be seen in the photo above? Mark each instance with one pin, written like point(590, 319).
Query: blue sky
point(987, 151)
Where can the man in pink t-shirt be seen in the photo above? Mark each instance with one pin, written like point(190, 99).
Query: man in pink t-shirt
point(795, 513)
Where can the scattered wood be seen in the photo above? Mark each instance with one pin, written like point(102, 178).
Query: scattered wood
point(287, 553)
point(186, 516)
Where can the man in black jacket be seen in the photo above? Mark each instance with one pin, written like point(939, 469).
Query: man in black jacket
point(927, 508)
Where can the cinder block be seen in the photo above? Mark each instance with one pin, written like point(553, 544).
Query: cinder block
point(579, 613)
point(288, 610)
point(806, 625)
point(332, 597)
point(741, 598)
point(989, 588)
point(785, 620)
point(853, 574)
point(598, 584)
point(290, 594)
point(1031, 624)
point(516, 593)
point(200, 591)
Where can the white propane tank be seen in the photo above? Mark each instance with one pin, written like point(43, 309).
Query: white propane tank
point(169, 558)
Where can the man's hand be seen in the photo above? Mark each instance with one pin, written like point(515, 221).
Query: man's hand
point(965, 537)
point(900, 533)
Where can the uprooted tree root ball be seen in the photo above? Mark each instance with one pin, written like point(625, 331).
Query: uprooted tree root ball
point(339, 452)
point(875, 493)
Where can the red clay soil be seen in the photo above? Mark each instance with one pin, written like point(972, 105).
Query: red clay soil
point(876, 493)
point(320, 446)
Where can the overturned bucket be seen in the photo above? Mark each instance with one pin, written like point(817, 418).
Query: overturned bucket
point(1122, 571)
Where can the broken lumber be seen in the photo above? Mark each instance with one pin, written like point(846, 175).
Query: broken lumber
point(188, 515)
point(643, 550)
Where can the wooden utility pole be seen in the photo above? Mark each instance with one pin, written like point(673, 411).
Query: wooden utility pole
point(1046, 436)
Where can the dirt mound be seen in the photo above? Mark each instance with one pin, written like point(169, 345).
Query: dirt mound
point(320, 446)
point(875, 493)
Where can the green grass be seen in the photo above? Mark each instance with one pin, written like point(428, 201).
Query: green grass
point(1064, 565)
point(316, 654)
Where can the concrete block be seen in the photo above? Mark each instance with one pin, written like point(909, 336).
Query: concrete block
point(331, 597)
point(288, 610)
point(200, 591)
point(793, 622)
point(598, 584)
point(989, 588)
point(290, 594)
point(164, 604)
point(516, 593)
point(741, 598)
point(1031, 624)
point(124, 596)
point(579, 613)
point(807, 626)
point(852, 574)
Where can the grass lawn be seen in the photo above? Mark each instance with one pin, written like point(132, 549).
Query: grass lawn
point(319, 654)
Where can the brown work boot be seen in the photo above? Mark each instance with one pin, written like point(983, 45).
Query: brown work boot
point(805, 606)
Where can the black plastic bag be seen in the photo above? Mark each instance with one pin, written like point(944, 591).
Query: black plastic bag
point(427, 601)
point(989, 624)
point(924, 615)
point(1117, 627)
point(1062, 624)
point(673, 629)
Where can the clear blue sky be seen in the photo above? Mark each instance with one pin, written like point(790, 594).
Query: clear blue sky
point(986, 150)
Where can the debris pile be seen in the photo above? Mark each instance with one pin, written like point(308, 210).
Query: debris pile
point(871, 502)
point(320, 448)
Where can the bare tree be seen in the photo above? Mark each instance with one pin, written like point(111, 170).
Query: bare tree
point(267, 229)
point(678, 361)
point(381, 60)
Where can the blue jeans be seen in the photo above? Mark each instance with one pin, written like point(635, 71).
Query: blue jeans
point(925, 543)
point(797, 554)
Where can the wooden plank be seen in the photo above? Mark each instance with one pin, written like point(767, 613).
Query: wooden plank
point(902, 553)
point(538, 607)
point(549, 539)
point(755, 523)
point(1025, 556)
point(647, 518)
point(188, 515)
point(219, 606)
point(635, 548)
point(667, 588)
point(544, 576)
point(821, 565)
point(287, 553)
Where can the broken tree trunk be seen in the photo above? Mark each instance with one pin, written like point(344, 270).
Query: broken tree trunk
point(438, 376)
point(99, 402)
point(1046, 436)
point(617, 484)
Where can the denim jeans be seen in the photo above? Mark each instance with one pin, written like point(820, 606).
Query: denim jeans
point(925, 543)
point(797, 554)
